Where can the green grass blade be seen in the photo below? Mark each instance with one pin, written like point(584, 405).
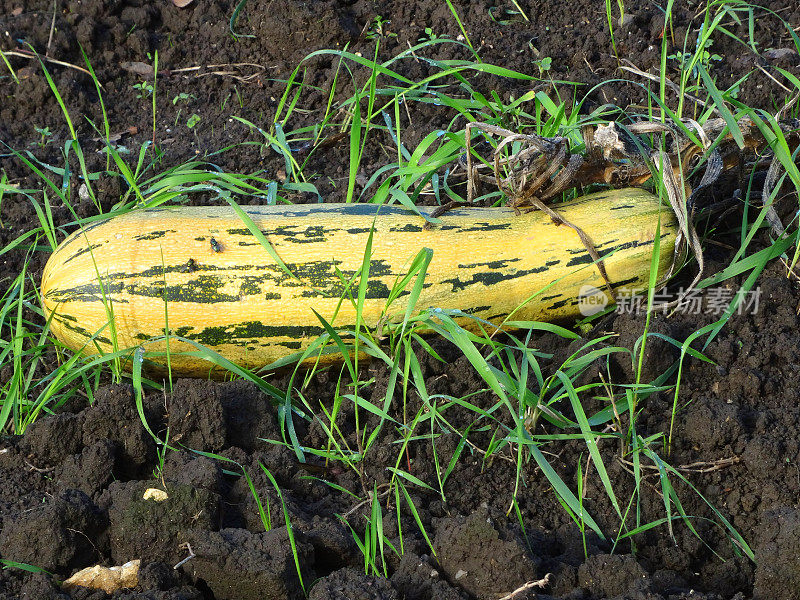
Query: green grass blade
point(730, 120)
point(591, 440)
point(563, 492)
point(234, 18)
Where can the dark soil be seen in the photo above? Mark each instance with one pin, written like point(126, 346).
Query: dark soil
point(71, 487)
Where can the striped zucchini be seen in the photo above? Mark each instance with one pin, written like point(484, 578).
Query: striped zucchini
point(224, 290)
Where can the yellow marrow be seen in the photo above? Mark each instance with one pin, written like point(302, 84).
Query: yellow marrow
point(224, 290)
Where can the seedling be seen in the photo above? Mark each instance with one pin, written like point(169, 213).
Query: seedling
point(161, 453)
point(704, 57)
point(430, 36)
point(378, 29)
point(183, 97)
point(45, 133)
point(543, 64)
point(143, 89)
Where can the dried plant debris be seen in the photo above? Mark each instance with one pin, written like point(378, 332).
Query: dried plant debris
point(108, 579)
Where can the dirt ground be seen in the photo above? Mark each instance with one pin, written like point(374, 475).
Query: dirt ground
point(71, 487)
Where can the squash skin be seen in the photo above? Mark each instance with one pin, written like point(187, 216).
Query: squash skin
point(229, 294)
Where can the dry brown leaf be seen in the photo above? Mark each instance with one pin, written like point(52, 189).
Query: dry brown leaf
point(16, 12)
point(779, 53)
point(115, 137)
point(140, 68)
point(182, 3)
point(108, 579)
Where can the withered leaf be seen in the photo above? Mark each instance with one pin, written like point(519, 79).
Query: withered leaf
point(779, 53)
point(115, 137)
point(140, 68)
